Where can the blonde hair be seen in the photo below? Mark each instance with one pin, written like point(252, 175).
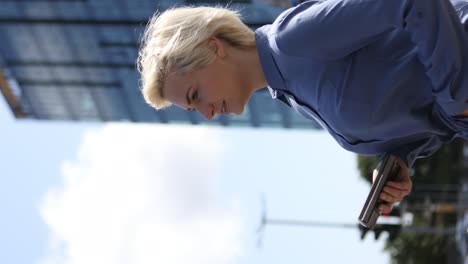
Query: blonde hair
point(177, 40)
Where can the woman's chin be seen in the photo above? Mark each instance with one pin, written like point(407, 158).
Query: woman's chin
point(240, 111)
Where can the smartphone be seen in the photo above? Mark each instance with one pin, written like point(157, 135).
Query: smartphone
point(388, 168)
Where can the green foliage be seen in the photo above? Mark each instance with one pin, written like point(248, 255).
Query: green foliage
point(443, 167)
point(366, 165)
point(418, 249)
point(440, 168)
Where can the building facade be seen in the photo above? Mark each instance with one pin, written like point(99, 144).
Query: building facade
point(76, 60)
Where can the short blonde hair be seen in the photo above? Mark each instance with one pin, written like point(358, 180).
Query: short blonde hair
point(177, 40)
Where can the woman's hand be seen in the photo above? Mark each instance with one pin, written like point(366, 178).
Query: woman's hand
point(394, 191)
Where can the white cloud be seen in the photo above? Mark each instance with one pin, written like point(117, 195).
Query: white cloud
point(143, 194)
point(5, 113)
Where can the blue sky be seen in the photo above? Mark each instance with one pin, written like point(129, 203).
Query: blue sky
point(148, 193)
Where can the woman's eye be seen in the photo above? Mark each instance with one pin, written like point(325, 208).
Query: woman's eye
point(195, 96)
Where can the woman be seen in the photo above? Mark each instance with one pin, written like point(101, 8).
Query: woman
point(379, 75)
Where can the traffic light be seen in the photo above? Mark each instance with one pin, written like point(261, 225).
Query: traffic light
point(363, 230)
point(391, 229)
point(378, 229)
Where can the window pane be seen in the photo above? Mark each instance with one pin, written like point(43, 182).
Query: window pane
point(47, 101)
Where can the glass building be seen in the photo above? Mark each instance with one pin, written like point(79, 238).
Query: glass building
point(76, 60)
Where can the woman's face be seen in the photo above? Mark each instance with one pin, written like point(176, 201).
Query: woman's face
point(215, 89)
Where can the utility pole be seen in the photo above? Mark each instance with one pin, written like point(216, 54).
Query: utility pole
point(392, 229)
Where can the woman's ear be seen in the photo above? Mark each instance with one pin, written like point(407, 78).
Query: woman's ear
point(217, 45)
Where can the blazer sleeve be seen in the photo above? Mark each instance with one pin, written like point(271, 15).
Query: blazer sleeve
point(423, 148)
point(333, 29)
